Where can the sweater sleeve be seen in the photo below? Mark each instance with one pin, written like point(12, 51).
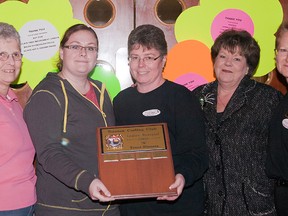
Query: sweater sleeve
point(191, 154)
point(44, 118)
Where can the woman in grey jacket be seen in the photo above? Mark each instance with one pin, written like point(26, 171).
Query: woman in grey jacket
point(62, 116)
point(237, 111)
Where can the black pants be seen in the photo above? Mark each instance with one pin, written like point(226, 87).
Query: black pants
point(281, 199)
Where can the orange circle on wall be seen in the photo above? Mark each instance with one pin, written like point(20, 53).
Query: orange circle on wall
point(189, 56)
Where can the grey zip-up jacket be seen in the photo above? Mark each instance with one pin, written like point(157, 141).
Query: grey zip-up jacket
point(62, 124)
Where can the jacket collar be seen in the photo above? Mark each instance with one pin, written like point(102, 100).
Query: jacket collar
point(238, 100)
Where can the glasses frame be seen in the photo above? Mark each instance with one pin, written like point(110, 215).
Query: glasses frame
point(284, 51)
point(13, 55)
point(148, 58)
point(79, 48)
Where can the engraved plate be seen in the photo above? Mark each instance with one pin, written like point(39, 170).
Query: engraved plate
point(138, 138)
point(111, 158)
point(143, 156)
point(127, 156)
point(159, 155)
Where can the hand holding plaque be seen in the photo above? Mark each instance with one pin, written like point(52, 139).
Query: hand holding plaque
point(135, 161)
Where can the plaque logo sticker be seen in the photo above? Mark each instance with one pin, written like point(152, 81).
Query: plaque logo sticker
point(152, 112)
point(114, 141)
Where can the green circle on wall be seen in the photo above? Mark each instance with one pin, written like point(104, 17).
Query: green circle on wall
point(105, 73)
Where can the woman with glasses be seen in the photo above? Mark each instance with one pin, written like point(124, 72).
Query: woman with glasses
point(277, 160)
point(62, 116)
point(17, 174)
point(237, 112)
point(152, 99)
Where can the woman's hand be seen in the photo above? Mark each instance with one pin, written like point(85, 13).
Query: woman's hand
point(178, 184)
point(98, 191)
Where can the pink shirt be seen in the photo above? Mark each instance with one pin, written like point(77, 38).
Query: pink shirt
point(17, 174)
point(92, 96)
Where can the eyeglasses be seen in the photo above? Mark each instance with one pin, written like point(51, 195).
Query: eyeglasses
point(78, 48)
point(281, 52)
point(17, 56)
point(147, 59)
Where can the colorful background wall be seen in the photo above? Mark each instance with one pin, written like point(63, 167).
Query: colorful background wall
point(190, 27)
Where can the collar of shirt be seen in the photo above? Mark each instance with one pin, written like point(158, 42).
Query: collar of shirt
point(10, 96)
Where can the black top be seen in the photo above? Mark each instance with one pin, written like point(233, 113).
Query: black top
point(178, 107)
point(277, 159)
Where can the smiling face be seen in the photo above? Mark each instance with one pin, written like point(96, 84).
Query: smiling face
point(79, 61)
point(282, 55)
point(230, 68)
point(10, 68)
point(146, 68)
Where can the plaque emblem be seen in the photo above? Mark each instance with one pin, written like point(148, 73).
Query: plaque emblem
point(114, 141)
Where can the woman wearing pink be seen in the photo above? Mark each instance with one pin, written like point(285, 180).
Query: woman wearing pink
point(17, 175)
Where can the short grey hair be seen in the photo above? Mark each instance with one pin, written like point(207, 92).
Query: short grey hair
point(8, 31)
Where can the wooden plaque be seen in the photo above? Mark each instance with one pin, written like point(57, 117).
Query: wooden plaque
point(135, 161)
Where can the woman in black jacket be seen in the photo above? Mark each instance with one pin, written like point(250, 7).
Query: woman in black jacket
point(237, 112)
point(277, 160)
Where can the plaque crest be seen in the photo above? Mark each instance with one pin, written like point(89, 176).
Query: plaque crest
point(114, 141)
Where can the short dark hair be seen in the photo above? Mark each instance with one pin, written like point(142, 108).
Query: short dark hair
point(148, 36)
point(67, 35)
point(238, 40)
point(281, 29)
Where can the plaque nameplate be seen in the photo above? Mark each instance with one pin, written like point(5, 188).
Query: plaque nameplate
point(135, 161)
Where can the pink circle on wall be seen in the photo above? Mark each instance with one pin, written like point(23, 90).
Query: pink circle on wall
point(191, 80)
point(231, 18)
